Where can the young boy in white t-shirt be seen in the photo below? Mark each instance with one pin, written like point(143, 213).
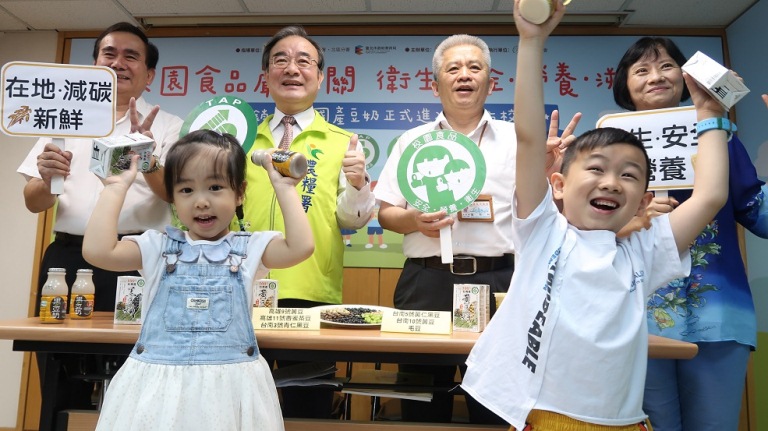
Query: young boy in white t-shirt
point(568, 349)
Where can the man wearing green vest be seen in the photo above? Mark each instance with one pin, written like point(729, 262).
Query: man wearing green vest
point(335, 193)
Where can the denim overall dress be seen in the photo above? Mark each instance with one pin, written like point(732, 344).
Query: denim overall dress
point(200, 313)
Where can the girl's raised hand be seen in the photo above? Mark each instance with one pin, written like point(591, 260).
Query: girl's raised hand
point(275, 177)
point(124, 178)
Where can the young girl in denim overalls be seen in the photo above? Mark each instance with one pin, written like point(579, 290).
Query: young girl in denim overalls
point(196, 364)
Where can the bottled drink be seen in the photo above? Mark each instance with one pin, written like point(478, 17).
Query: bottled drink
point(81, 300)
point(53, 298)
point(538, 11)
point(287, 163)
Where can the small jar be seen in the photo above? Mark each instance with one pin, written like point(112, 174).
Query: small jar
point(81, 300)
point(53, 297)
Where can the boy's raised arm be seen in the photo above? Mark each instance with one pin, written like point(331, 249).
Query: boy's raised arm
point(531, 183)
point(710, 184)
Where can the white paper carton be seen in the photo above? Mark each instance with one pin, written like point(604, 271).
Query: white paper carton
point(265, 293)
point(112, 155)
point(129, 300)
point(719, 82)
point(471, 308)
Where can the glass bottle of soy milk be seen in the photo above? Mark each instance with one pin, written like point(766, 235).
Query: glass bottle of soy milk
point(81, 300)
point(53, 298)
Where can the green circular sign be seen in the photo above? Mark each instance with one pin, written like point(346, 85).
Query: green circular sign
point(224, 114)
point(441, 170)
point(370, 149)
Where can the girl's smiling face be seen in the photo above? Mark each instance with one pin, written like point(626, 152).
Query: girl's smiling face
point(204, 199)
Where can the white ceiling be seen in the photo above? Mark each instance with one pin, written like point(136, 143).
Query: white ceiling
point(66, 15)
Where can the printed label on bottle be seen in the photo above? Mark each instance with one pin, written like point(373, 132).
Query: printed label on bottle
point(53, 309)
point(81, 306)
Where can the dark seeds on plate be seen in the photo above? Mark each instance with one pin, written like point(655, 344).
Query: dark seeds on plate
point(352, 315)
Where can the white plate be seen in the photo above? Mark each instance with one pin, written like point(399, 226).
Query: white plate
point(349, 325)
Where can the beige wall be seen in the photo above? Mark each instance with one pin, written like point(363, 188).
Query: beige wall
point(20, 226)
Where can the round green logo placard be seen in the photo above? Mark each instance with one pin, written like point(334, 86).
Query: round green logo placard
point(224, 114)
point(370, 149)
point(441, 170)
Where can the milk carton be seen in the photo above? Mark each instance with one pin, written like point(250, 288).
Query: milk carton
point(471, 308)
point(129, 300)
point(112, 155)
point(719, 82)
point(265, 293)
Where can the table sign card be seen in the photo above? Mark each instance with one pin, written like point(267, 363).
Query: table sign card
point(416, 321)
point(286, 318)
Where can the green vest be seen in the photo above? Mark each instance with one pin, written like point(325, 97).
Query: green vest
point(318, 278)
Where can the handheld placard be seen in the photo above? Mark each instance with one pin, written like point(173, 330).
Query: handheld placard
point(441, 170)
point(224, 114)
point(76, 102)
point(57, 181)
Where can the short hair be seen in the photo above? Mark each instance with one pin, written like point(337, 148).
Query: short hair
point(153, 54)
point(643, 47)
point(457, 40)
point(604, 137)
point(229, 161)
point(291, 30)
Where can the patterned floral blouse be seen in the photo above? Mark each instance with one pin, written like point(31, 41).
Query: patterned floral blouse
point(715, 302)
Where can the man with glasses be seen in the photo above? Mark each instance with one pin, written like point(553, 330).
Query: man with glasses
point(335, 193)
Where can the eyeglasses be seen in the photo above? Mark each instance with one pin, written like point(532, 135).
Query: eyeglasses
point(283, 61)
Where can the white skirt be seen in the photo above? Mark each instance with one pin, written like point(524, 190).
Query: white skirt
point(227, 397)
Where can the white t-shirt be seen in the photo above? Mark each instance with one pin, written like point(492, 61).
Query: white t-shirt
point(142, 209)
point(152, 243)
point(498, 146)
point(579, 348)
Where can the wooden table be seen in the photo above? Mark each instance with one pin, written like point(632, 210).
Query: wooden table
point(100, 336)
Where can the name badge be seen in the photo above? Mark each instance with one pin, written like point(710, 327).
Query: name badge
point(197, 303)
point(479, 210)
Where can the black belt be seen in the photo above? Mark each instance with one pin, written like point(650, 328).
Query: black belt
point(69, 239)
point(467, 265)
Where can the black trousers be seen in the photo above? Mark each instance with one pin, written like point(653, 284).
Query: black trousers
point(421, 288)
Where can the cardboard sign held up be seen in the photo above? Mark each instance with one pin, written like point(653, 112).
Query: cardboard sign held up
point(58, 100)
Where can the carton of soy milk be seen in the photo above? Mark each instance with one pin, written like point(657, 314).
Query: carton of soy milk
point(112, 155)
point(265, 293)
point(471, 308)
point(129, 300)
